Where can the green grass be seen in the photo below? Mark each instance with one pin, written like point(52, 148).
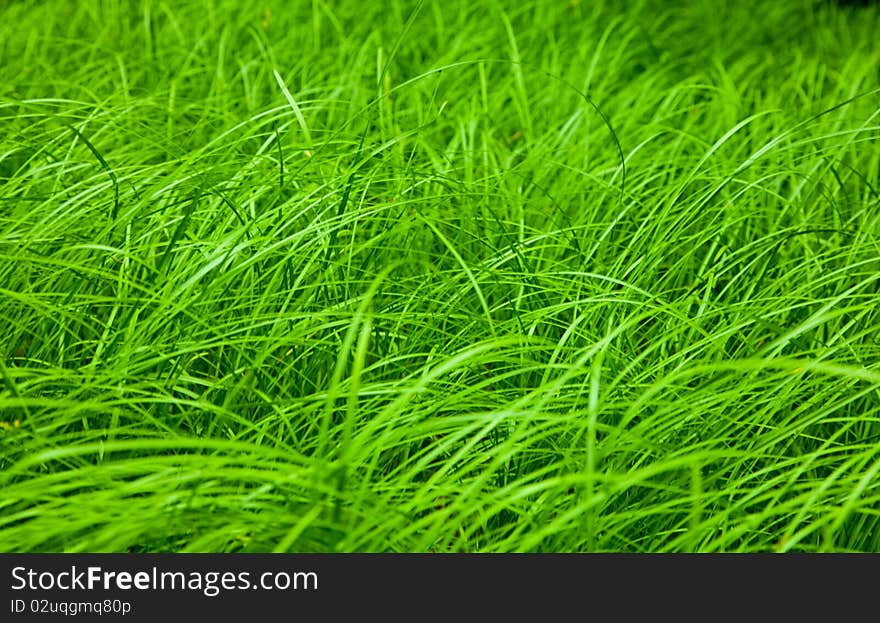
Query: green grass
point(439, 276)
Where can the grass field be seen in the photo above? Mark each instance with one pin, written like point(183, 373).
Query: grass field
point(434, 276)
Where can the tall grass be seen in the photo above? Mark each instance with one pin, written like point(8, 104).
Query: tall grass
point(439, 276)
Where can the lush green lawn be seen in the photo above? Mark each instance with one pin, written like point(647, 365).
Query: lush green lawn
point(313, 275)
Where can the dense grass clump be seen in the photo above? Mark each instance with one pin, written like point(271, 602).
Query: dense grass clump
point(439, 276)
